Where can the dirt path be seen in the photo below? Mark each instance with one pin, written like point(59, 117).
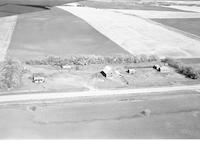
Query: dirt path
point(137, 35)
point(7, 25)
point(58, 95)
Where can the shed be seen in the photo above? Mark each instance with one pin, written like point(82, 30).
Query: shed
point(164, 69)
point(131, 71)
point(156, 66)
point(107, 71)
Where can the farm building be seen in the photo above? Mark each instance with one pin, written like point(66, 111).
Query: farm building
point(164, 69)
point(38, 79)
point(156, 66)
point(131, 71)
point(107, 71)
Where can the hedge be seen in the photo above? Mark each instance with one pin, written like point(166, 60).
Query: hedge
point(182, 68)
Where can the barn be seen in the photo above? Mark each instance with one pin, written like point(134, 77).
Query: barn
point(107, 71)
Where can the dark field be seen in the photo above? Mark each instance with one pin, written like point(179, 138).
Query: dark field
point(188, 25)
point(58, 33)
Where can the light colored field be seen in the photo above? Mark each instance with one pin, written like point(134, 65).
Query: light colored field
point(159, 14)
point(187, 8)
point(137, 35)
point(7, 25)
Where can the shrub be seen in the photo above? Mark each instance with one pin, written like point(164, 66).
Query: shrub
point(10, 74)
point(184, 69)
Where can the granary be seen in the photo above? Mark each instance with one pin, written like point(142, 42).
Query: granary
point(131, 71)
point(107, 71)
point(38, 79)
point(164, 69)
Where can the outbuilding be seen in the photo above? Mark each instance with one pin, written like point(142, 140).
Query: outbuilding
point(131, 71)
point(38, 79)
point(164, 69)
point(156, 66)
point(107, 71)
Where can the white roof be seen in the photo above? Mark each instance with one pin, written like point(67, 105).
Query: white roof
point(107, 69)
point(38, 77)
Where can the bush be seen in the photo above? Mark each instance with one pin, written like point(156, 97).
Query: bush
point(184, 69)
point(10, 74)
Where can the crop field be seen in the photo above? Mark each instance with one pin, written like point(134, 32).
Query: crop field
point(125, 5)
point(138, 35)
point(185, 8)
point(153, 14)
point(57, 33)
point(190, 25)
